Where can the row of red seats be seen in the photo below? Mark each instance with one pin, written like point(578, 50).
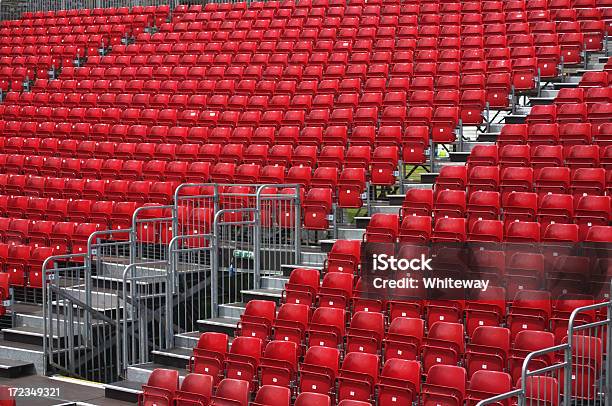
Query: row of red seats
point(60, 235)
point(49, 137)
point(73, 209)
point(523, 259)
point(47, 155)
point(473, 6)
point(569, 112)
point(515, 206)
point(401, 82)
point(163, 389)
point(22, 264)
point(116, 189)
point(108, 169)
point(443, 119)
point(84, 12)
point(451, 26)
point(71, 35)
point(386, 228)
point(545, 180)
point(407, 26)
point(538, 156)
point(282, 72)
point(179, 101)
point(521, 139)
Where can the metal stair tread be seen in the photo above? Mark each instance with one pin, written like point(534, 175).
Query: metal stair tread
point(263, 292)
point(126, 386)
point(10, 363)
point(177, 352)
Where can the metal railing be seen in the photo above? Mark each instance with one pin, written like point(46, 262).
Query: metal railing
point(136, 287)
point(578, 371)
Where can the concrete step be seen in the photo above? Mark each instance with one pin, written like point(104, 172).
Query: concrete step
point(380, 208)
point(124, 391)
point(10, 368)
point(459, 156)
point(350, 233)
point(536, 101)
point(515, 118)
point(232, 310)
point(488, 137)
point(22, 352)
point(273, 282)
point(175, 357)
point(187, 340)
point(224, 325)
point(262, 294)
point(35, 335)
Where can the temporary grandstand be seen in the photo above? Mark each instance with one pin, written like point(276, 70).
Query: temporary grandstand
point(191, 195)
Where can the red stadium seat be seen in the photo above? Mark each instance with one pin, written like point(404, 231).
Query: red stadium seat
point(160, 388)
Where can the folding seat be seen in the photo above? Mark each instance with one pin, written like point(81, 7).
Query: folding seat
point(382, 228)
point(449, 230)
point(445, 384)
point(358, 376)
point(483, 178)
point(278, 364)
point(486, 231)
point(595, 79)
point(482, 205)
point(16, 262)
point(592, 211)
point(449, 203)
point(415, 229)
point(483, 155)
point(588, 181)
point(414, 142)
point(14, 164)
point(70, 167)
point(582, 156)
point(384, 165)
point(351, 187)
point(524, 343)
point(160, 388)
point(598, 114)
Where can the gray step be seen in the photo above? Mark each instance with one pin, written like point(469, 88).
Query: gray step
point(35, 335)
point(459, 156)
point(174, 357)
point(232, 310)
point(350, 233)
point(273, 282)
point(23, 352)
point(262, 294)
point(10, 368)
point(326, 245)
point(187, 340)
point(224, 325)
point(362, 222)
point(515, 118)
point(537, 101)
point(380, 208)
point(488, 137)
point(396, 200)
point(125, 391)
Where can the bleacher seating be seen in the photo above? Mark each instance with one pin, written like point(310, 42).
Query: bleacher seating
point(108, 110)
